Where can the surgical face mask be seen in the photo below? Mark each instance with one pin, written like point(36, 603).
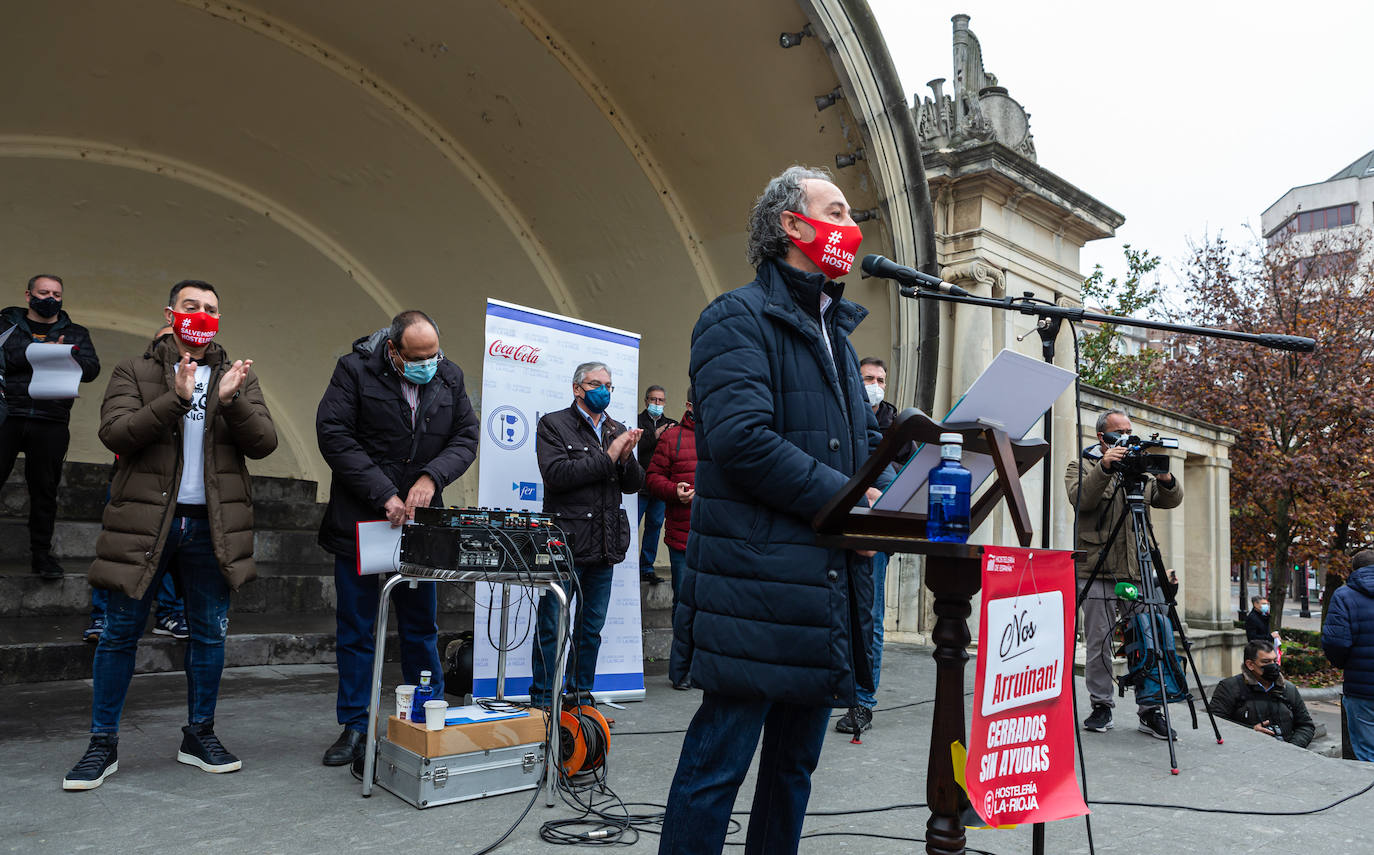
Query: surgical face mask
point(1264, 609)
point(194, 328)
point(45, 307)
point(420, 371)
point(655, 410)
point(833, 247)
point(875, 394)
point(598, 399)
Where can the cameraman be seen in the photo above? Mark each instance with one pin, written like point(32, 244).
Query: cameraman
point(1102, 506)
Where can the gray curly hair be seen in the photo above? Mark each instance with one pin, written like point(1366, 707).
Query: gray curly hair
point(784, 193)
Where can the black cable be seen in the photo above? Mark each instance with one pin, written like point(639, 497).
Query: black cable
point(1239, 812)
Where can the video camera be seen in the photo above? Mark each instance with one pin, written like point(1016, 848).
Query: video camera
point(1137, 462)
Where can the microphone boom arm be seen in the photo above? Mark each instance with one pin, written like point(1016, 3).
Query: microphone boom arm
point(1030, 305)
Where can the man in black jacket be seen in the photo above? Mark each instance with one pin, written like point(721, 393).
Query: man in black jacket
point(38, 428)
point(1258, 697)
point(396, 428)
point(653, 423)
point(587, 462)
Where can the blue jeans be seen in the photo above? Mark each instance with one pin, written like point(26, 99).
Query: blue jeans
point(716, 753)
point(1359, 722)
point(592, 600)
point(866, 698)
point(677, 560)
point(355, 615)
point(207, 612)
point(168, 603)
point(652, 510)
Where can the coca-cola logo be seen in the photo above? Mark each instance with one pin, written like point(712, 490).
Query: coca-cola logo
point(516, 352)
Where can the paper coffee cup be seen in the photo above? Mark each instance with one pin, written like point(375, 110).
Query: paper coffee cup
point(435, 713)
point(405, 695)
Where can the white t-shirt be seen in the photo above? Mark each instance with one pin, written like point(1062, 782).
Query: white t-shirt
point(192, 490)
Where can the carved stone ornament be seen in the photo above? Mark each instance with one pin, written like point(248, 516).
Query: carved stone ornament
point(977, 110)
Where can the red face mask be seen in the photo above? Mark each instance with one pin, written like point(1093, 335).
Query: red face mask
point(833, 247)
point(195, 328)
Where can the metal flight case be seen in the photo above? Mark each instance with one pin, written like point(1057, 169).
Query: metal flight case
point(429, 781)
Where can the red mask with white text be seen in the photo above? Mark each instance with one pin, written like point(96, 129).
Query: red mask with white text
point(195, 328)
point(833, 247)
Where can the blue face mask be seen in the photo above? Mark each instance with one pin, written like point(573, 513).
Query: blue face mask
point(598, 399)
point(655, 410)
point(421, 371)
point(1264, 609)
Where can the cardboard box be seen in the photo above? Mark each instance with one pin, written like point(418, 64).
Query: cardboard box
point(464, 738)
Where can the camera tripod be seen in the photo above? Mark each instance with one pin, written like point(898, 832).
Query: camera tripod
point(1155, 601)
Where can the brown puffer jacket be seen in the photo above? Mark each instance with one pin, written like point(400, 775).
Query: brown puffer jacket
point(140, 420)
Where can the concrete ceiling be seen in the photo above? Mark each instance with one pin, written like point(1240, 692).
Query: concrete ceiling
point(328, 164)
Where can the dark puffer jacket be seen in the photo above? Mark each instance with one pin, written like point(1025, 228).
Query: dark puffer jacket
point(675, 462)
point(1241, 699)
point(141, 421)
point(364, 429)
point(1348, 635)
point(772, 615)
point(583, 486)
point(17, 372)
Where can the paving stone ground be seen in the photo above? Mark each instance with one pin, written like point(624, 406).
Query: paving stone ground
point(280, 719)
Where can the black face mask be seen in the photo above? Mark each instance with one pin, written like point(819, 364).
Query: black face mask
point(45, 307)
point(1270, 672)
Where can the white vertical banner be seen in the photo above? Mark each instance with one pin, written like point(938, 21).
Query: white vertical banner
point(527, 371)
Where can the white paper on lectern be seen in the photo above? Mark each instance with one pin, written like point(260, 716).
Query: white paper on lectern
point(379, 548)
point(56, 373)
point(1014, 391)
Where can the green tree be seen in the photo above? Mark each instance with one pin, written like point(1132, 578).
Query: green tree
point(1103, 360)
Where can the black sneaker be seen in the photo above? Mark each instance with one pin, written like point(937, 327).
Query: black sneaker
point(93, 632)
point(100, 761)
point(200, 747)
point(1100, 721)
point(1152, 722)
point(173, 624)
point(857, 720)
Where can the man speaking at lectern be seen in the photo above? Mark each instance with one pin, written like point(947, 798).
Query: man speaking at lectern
point(780, 627)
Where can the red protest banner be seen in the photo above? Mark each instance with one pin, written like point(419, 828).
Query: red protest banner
point(1020, 759)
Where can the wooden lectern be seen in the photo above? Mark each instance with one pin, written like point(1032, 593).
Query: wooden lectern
point(953, 573)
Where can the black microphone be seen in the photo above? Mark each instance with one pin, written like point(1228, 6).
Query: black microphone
point(876, 265)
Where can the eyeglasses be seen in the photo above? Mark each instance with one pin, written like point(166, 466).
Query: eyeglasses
point(595, 384)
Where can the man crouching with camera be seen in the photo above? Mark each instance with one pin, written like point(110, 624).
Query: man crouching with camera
point(1102, 506)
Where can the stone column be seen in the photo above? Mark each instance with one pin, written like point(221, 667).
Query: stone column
point(1207, 535)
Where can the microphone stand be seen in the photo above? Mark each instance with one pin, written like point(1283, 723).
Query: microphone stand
point(1029, 304)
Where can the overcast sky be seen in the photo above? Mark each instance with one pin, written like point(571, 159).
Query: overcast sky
point(1188, 118)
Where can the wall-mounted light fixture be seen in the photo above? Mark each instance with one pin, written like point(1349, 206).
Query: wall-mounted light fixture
point(844, 160)
point(829, 99)
point(791, 40)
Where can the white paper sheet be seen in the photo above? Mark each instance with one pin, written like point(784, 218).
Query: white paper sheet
point(56, 373)
point(1014, 390)
point(379, 548)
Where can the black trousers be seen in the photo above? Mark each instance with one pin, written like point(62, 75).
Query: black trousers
point(44, 445)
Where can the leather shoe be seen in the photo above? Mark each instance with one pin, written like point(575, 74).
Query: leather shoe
point(347, 748)
point(47, 567)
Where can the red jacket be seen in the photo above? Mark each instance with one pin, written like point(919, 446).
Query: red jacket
point(674, 461)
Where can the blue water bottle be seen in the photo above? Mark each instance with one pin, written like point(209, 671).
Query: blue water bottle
point(950, 485)
point(423, 692)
